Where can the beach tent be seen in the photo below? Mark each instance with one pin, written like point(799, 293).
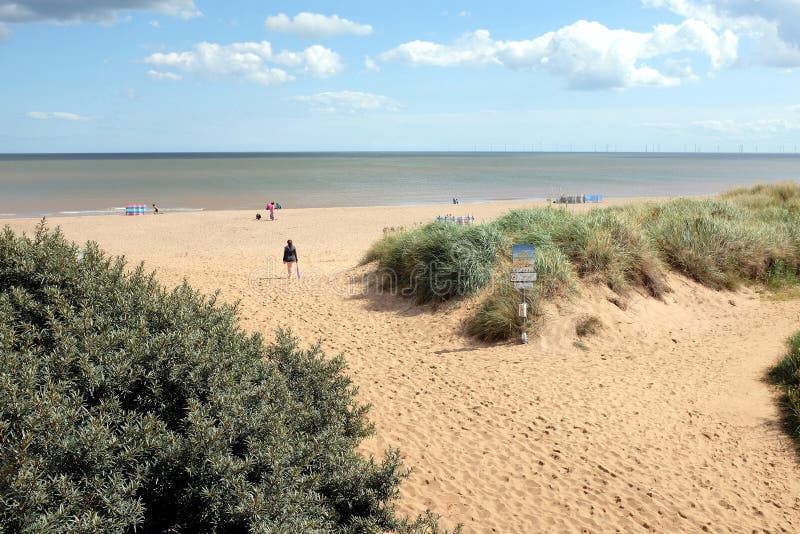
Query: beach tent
point(135, 209)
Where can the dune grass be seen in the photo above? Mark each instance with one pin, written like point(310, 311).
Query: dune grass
point(497, 317)
point(747, 235)
point(439, 261)
point(787, 375)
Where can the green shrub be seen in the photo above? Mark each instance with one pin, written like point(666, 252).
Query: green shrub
point(125, 407)
point(787, 374)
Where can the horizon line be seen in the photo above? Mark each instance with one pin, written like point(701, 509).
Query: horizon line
point(392, 151)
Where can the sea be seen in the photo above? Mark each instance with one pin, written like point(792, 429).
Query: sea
point(93, 184)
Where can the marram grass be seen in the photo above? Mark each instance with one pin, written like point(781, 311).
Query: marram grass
point(747, 235)
point(439, 261)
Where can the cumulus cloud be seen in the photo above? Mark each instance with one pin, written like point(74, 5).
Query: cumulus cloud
point(316, 25)
point(316, 60)
point(587, 54)
point(773, 25)
point(159, 75)
point(473, 49)
point(249, 61)
point(104, 11)
point(348, 101)
point(57, 115)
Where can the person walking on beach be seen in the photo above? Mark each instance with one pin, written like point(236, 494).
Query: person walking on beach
point(271, 208)
point(289, 257)
point(155, 209)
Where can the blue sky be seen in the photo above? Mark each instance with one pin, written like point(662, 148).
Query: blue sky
point(184, 75)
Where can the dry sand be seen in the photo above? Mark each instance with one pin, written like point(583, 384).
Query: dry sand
point(663, 423)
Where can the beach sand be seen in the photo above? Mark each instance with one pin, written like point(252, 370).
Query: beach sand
point(662, 423)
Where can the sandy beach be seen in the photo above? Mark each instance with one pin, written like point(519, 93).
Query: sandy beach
point(663, 423)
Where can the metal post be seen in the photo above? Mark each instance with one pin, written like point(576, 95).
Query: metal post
point(524, 337)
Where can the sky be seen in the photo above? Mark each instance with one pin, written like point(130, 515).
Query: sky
point(195, 75)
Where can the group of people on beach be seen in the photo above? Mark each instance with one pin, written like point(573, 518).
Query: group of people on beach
point(271, 207)
point(466, 219)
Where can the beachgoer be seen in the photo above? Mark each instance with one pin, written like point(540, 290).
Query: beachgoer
point(155, 209)
point(271, 208)
point(278, 206)
point(289, 257)
point(258, 216)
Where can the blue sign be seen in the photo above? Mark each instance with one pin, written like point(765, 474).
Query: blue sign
point(522, 252)
point(523, 266)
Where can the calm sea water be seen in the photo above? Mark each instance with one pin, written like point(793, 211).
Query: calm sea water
point(87, 184)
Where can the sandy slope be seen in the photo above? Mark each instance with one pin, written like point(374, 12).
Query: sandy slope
point(663, 424)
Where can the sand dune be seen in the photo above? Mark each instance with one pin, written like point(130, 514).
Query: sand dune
point(662, 423)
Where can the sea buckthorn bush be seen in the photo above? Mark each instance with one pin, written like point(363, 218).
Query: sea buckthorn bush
point(126, 407)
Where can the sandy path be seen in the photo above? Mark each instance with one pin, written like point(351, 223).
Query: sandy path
point(663, 424)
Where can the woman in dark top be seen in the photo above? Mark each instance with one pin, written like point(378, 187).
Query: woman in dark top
point(289, 257)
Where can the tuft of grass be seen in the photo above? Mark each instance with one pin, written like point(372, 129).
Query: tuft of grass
point(588, 325)
point(787, 375)
point(439, 261)
point(498, 318)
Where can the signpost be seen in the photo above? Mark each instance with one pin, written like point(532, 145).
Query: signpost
point(523, 275)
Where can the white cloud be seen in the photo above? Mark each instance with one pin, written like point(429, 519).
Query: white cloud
point(773, 25)
point(316, 25)
point(473, 49)
point(371, 65)
point(104, 11)
point(317, 60)
point(160, 75)
point(249, 61)
point(348, 101)
point(464, 14)
point(154, 24)
point(587, 54)
point(58, 115)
